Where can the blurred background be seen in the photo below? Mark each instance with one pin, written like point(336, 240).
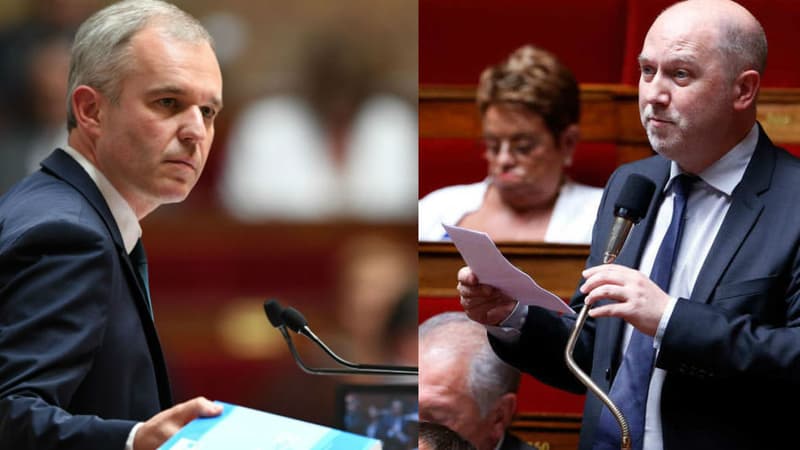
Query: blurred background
point(308, 197)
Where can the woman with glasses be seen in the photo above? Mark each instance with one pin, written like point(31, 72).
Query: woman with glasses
point(530, 109)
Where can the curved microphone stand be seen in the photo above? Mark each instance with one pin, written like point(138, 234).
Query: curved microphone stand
point(281, 318)
point(631, 206)
point(293, 319)
point(583, 378)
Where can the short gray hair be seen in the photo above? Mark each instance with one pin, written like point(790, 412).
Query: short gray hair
point(489, 377)
point(744, 48)
point(742, 41)
point(101, 52)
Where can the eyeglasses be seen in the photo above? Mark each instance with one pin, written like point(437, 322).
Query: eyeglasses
point(521, 145)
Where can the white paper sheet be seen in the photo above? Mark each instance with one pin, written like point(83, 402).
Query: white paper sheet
point(492, 268)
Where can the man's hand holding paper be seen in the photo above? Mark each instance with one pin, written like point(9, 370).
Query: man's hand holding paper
point(491, 286)
point(483, 303)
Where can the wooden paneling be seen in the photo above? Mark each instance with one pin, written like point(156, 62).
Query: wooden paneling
point(451, 111)
point(555, 267)
point(548, 431)
point(610, 113)
point(779, 113)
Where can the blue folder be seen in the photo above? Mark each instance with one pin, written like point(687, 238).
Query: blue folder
point(249, 429)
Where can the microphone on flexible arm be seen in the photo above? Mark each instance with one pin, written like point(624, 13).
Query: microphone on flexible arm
point(273, 309)
point(281, 317)
point(297, 323)
point(631, 206)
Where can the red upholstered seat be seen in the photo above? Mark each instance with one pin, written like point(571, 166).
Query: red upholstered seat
point(458, 39)
point(593, 163)
point(445, 162)
point(792, 148)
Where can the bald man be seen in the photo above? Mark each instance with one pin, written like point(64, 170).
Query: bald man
point(724, 341)
point(463, 385)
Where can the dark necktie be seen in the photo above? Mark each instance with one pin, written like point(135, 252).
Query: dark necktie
point(139, 260)
point(629, 390)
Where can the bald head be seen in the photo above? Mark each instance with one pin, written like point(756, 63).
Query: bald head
point(452, 339)
point(452, 333)
point(462, 383)
point(731, 28)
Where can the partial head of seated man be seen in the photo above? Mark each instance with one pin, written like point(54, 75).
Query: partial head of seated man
point(434, 436)
point(530, 108)
point(463, 385)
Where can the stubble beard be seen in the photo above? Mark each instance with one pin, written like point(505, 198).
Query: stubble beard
point(664, 142)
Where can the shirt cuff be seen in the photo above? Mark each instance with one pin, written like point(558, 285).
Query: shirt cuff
point(662, 324)
point(132, 436)
point(509, 330)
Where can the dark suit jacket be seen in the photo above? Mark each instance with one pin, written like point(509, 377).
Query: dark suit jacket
point(731, 351)
point(80, 360)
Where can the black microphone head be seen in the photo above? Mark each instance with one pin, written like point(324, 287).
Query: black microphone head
point(274, 311)
point(635, 197)
point(293, 319)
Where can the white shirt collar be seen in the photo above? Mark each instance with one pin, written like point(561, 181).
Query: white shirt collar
point(123, 214)
point(726, 173)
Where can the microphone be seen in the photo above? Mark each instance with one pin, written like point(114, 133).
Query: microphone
point(297, 323)
point(630, 207)
point(273, 309)
point(281, 317)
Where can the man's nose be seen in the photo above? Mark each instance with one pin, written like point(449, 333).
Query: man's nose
point(193, 126)
point(655, 91)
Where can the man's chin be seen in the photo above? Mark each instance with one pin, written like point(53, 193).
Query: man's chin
point(175, 193)
point(662, 146)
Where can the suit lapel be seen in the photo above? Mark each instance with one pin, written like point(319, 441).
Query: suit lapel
point(745, 209)
point(62, 166)
point(67, 169)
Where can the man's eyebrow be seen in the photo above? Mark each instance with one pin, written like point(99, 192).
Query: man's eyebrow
point(673, 59)
point(174, 90)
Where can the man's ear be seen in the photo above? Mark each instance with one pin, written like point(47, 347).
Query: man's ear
point(87, 104)
point(568, 141)
point(503, 414)
point(746, 88)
